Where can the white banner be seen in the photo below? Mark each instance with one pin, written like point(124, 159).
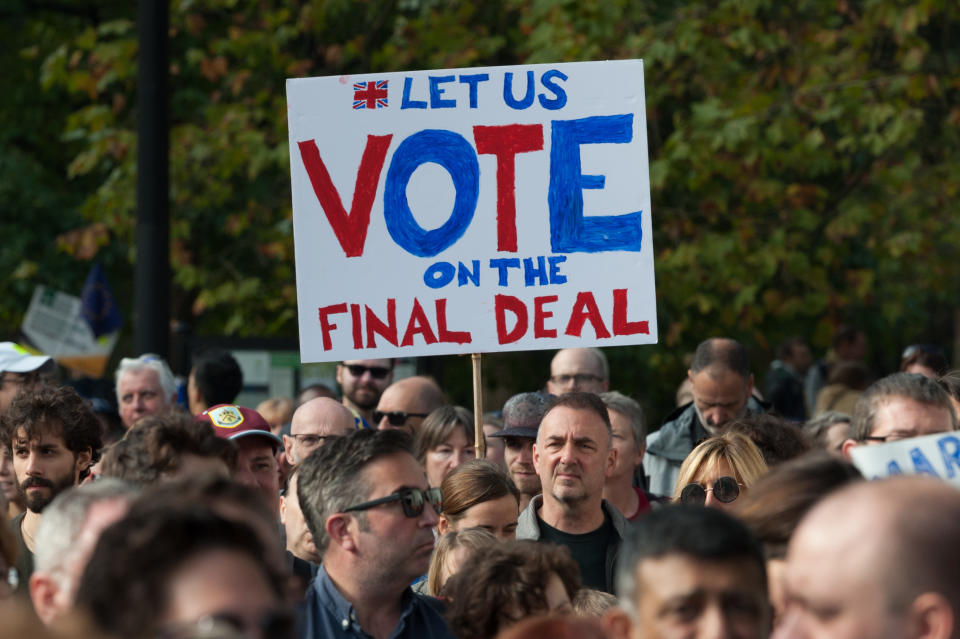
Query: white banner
point(937, 455)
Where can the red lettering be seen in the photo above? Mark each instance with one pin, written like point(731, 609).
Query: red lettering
point(585, 308)
point(357, 327)
point(505, 142)
point(620, 324)
point(326, 325)
point(503, 303)
point(453, 337)
point(418, 324)
point(387, 331)
point(351, 230)
point(539, 315)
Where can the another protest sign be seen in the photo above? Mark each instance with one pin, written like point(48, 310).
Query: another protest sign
point(471, 210)
point(937, 455)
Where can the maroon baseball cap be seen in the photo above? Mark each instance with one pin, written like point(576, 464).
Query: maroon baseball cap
point(230, 421)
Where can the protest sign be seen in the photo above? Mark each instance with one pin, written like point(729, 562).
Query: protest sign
point(471, 210)
point(937, 455)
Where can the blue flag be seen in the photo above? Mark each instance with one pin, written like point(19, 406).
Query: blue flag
point(99, 305)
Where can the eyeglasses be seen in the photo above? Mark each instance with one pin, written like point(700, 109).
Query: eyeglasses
point(579, 378)
point(376, 372)
point(412, 500)
point(892, 437)
point(226, 625)
point(725, 489)
point(396, 417)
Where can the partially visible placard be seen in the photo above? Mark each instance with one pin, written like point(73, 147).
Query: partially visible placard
point(936, 455)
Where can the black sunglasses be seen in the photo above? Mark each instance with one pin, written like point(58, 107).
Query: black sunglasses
point(725, 489)
point(376, 372)
point(396, 417)
point(412, 500)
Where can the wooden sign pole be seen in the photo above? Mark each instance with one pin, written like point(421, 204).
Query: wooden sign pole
point(481, 442)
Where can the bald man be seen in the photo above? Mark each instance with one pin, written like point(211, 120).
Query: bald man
point(875, 560)
point(405, 403)
point(313, 424)
point(579, 369)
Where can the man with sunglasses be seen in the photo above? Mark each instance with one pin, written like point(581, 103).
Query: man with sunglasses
point(366, 502)
point(897, 407)
point(405, 403)
point(362, 382)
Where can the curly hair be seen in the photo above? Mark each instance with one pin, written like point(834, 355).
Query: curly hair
point(126, 582)
point(46, 408)
point(496, 588)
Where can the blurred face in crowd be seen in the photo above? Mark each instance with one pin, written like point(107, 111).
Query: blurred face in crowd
point(257, 468)
point(140, 394)
point(518, 456)
point(629, 455)
point(364, 380)
point(8, 479)
point(494, 445)
point(440, 460)
point(299, 539)
point(313, 425)
point(573, 454)
point(719, 395)
point(576, 369)
point(499, 516)
point(679, 596)
point(391, 543)
point(230, 589)
point(902, 417)
point(10, 385)
point(45, 467)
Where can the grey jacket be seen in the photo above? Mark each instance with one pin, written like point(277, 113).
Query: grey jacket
point(528, 528)
point(669, 446)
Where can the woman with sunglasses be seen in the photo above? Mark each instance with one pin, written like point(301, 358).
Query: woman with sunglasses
point(719, 470)
point(444, 441)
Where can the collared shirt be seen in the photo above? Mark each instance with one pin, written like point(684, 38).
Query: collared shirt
point(326, 614)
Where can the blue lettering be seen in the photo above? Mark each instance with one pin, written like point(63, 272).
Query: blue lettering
point(893, 468)
point(406, 102)
point(950, 458)
point(920, 462)
point(556, 277)
point(511, 101)
point(560, 101)
point(438, 275)
point(502, 264)
point(473, 80)
point(451, 151)
point(464, 274)
point(436, 91)
point(570, 231)
point(531, 272)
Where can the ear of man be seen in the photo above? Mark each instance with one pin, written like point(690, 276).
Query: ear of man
point(43, 593)
point(617, 624)
point(342, 530)
point(932, 617)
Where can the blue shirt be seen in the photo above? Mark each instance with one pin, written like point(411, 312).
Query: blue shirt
point(325, 614)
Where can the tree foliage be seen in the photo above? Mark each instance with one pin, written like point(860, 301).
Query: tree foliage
point(804, 168)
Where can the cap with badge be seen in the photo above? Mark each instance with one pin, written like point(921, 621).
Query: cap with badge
point(17, 359)
point(230, 421)
point(523, 413)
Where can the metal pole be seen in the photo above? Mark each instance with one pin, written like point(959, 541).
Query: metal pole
point(152, 279)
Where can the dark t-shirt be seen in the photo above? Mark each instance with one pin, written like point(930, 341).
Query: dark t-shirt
point(24, 563)
point(589, 550)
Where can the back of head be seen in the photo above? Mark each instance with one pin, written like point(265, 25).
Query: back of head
point(777, 440)
point(723, 353)
point(126, 583)
point(217, 376)
point(555, 627)
point(495, 588)
point(439, 424)
point(774, 506)
point(331, 478)
point(474, 482)
point(817, 429)
point(918, 388)
point(738, 450)
point(701, 533)
point(33, 413)
point(472, 541)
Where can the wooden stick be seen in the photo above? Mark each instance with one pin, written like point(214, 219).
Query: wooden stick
point(481, 442)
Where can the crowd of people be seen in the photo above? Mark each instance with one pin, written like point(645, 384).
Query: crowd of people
point(370, 510)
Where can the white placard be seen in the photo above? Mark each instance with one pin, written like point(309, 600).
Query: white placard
point(472, 210)
point(937, 455)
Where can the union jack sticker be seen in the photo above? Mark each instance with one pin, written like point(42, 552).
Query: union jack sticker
point(370, 95)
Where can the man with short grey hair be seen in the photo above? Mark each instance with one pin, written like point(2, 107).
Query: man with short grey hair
point(630, 440)
point(579, 369)
point(71, 526)
point(367, 504)
point(897, 407)
point(145, 386)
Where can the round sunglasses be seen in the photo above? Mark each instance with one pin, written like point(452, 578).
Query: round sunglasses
point(725, 489)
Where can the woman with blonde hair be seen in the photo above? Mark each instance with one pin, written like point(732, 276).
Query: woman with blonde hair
point(451, 551)
point(717, 471)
